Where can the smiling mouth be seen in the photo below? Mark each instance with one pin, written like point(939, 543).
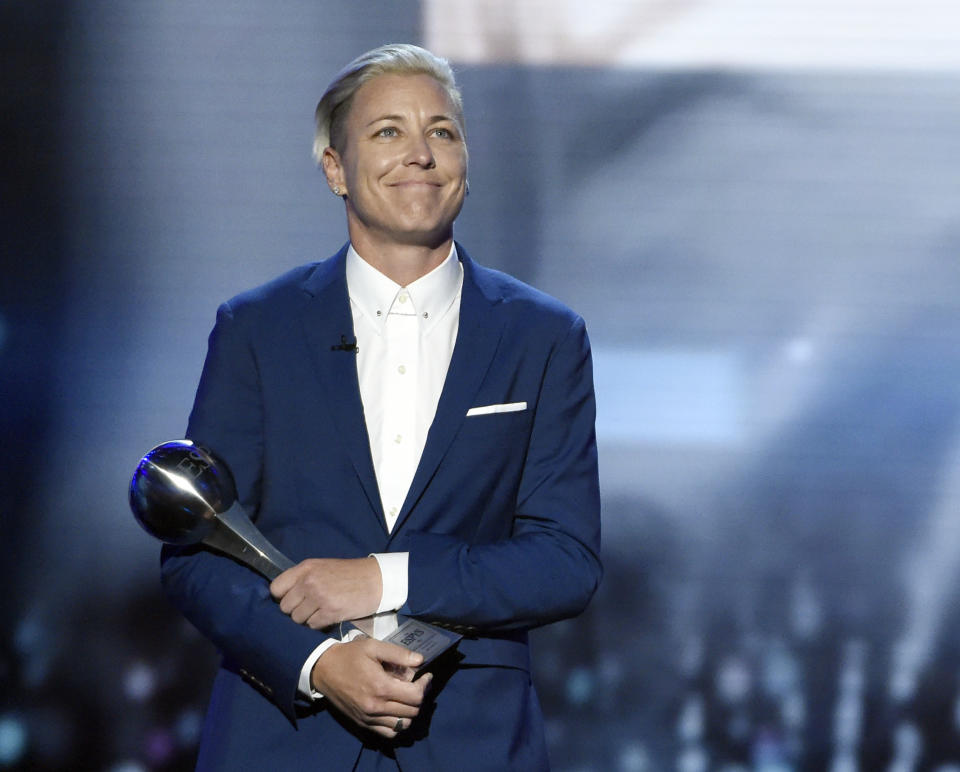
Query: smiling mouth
point(416, 184)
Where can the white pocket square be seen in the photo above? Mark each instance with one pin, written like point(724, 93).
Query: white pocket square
point(505, 407)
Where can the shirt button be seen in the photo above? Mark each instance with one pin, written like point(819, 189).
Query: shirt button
point(393, 511)
point(401, 369)
point(398, 439)
point(403, 297)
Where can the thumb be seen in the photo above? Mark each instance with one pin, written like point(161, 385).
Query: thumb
point(397, 655)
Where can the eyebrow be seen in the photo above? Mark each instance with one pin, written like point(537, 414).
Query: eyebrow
point(433, 119)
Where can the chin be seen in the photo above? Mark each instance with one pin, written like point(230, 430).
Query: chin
point(424, 226)
point(424, 237)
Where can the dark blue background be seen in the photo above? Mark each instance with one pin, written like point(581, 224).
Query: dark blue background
point(768, 265)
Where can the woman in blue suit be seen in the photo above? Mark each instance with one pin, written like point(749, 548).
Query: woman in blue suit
point(418, 432)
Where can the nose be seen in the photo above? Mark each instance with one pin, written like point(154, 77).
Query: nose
point(420, 153)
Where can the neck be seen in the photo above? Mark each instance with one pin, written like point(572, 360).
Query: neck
point(402, 263)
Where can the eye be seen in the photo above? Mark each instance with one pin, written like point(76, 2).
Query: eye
point(387, 131)
point(442, 133)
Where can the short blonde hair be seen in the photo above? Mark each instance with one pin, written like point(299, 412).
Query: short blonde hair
point(392, 59)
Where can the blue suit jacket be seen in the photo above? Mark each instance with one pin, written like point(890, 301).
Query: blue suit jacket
point(501, 520)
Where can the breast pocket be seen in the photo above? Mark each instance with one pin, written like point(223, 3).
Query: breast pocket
point(490, 424)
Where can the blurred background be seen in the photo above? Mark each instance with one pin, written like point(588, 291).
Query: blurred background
point(756, 207)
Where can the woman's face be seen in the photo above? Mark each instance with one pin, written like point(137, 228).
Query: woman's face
point(403, 166)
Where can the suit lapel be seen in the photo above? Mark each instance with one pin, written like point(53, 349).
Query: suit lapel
point(326, 317)
point(478, 336)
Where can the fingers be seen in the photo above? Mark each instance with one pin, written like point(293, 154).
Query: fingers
point(317, 620)
point(391, 730)
point(396, 719)
point(301, 594)
point(280, 586)
point(395, 659)
point(322, 591)
point(388, 717)
point(411, 697)
point(394, 712)
point(302, 610)
point(371, 682)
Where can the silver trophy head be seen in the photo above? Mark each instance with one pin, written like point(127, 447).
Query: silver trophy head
point(178, 489)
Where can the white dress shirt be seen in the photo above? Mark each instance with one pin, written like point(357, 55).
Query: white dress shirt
point(405, 339)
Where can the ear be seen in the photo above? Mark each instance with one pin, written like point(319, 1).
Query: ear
point(333, 170)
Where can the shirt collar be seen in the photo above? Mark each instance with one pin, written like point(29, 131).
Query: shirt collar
point(429, 297)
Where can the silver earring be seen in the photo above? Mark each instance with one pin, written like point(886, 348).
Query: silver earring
point(336, 190)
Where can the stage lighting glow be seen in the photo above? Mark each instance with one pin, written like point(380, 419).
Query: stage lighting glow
point(159, 746)
point(140, 682)
point(844, 762)
point(689, 397)
point(799, 351)
point(908, 658)
point(610, 672)
point(734, 681)
point(128, 766)
point(634, 758)
point(931, 576)
point(806, 610)
point(27, 636)
point(32, 641)
point(908, 747)
point(693, 759)
point(847, 721)
point(188, 727)
point(780, 670)
point(690, 723)
point(840, 35)
point(852, 679)
point(580, 686)
point(769, 753)
point(13, 740)
point(793, 711)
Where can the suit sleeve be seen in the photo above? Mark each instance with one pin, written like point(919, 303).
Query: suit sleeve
point(229, 603)
point(549, 567)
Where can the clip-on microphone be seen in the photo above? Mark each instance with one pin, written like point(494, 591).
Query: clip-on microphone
point(344, 345)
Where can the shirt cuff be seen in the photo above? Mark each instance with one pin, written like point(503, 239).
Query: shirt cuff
point(304, 687)
point(393, 573)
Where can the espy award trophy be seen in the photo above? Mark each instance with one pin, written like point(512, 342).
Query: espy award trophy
point(182, 493)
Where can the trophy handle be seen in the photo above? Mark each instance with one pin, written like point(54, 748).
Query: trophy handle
point(235, 535)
